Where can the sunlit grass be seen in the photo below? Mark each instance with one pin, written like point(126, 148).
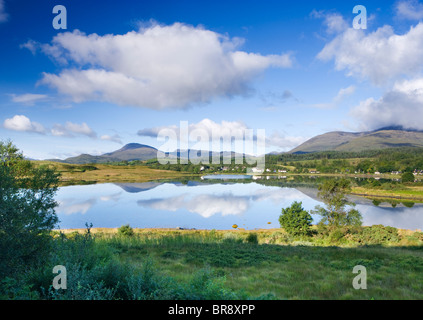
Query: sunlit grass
point(103, 173)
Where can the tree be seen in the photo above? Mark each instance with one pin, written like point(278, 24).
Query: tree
point(295, 220)
point(27, 213)
point(407, 177)
point(335, 215)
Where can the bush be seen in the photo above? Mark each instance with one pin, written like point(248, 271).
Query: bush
point(378, 234)
point(407, 177)
point(295, 220)
point(126, 231)
point(252, 238)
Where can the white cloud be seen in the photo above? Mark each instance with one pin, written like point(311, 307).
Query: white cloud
point(70, 129)
point(378, 56)
point(28, 98)
point(401, 106)
point(284, 142)
point(344, 92)
point(339, 98)
point(225, 129)
point(22, 123)
point(155, 67)
point(334, 22)
point(31, 45)
point(411, 10)
point(206, 135)
point(115, 138)
point(3, 15)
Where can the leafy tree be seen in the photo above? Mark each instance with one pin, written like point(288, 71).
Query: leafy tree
point(335, 215)
point(407, 177)
point(295, 220)
point(27, 209)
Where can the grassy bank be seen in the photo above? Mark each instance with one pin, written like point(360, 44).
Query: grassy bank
point(72, 174)
point(235, 264)
point(407, 193)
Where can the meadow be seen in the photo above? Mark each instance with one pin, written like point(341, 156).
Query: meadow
point(78, 174)
point(168, 264)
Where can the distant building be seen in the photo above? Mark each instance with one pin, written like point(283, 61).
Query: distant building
point(256, 170)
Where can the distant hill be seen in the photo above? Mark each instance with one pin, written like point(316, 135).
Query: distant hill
point(391, 137)
point(141, 152)
point(129, 152)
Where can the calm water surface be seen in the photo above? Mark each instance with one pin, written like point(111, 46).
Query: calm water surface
point(206, 204)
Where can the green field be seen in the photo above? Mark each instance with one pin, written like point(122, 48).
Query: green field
point(234, 264)
point(72, 174)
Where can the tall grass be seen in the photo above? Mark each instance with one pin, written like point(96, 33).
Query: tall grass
point(180, 265)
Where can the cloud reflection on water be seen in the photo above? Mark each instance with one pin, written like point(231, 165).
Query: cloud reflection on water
point(213, 205)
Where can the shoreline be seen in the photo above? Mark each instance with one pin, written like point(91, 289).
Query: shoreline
point(193, 230)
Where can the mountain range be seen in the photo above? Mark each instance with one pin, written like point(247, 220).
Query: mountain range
point(389, 137)
point(141, 152)
point(131, 151)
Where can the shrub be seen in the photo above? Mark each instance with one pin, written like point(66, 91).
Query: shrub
point(252, 238)
point(378, 234)
point(295, 220)
point(126, 231)
point(407, 177)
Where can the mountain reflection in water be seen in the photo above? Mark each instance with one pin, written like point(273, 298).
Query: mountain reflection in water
point(207, 204)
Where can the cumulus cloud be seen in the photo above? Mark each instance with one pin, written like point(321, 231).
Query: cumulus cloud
point(28, 98)
point(208, 135)
point(156, 67)
point(378, 56)
point(400, 106)
point(225, 129)
point(3, 15)
point(284, 142)
point(228, 131)
point(22, 123)
point(410, 10)
point(334, 22)
point(115, 138)
point(71, 129)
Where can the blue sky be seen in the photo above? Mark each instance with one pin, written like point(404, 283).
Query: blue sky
point(121, 71)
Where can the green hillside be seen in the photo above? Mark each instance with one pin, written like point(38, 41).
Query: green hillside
point(356, 142)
